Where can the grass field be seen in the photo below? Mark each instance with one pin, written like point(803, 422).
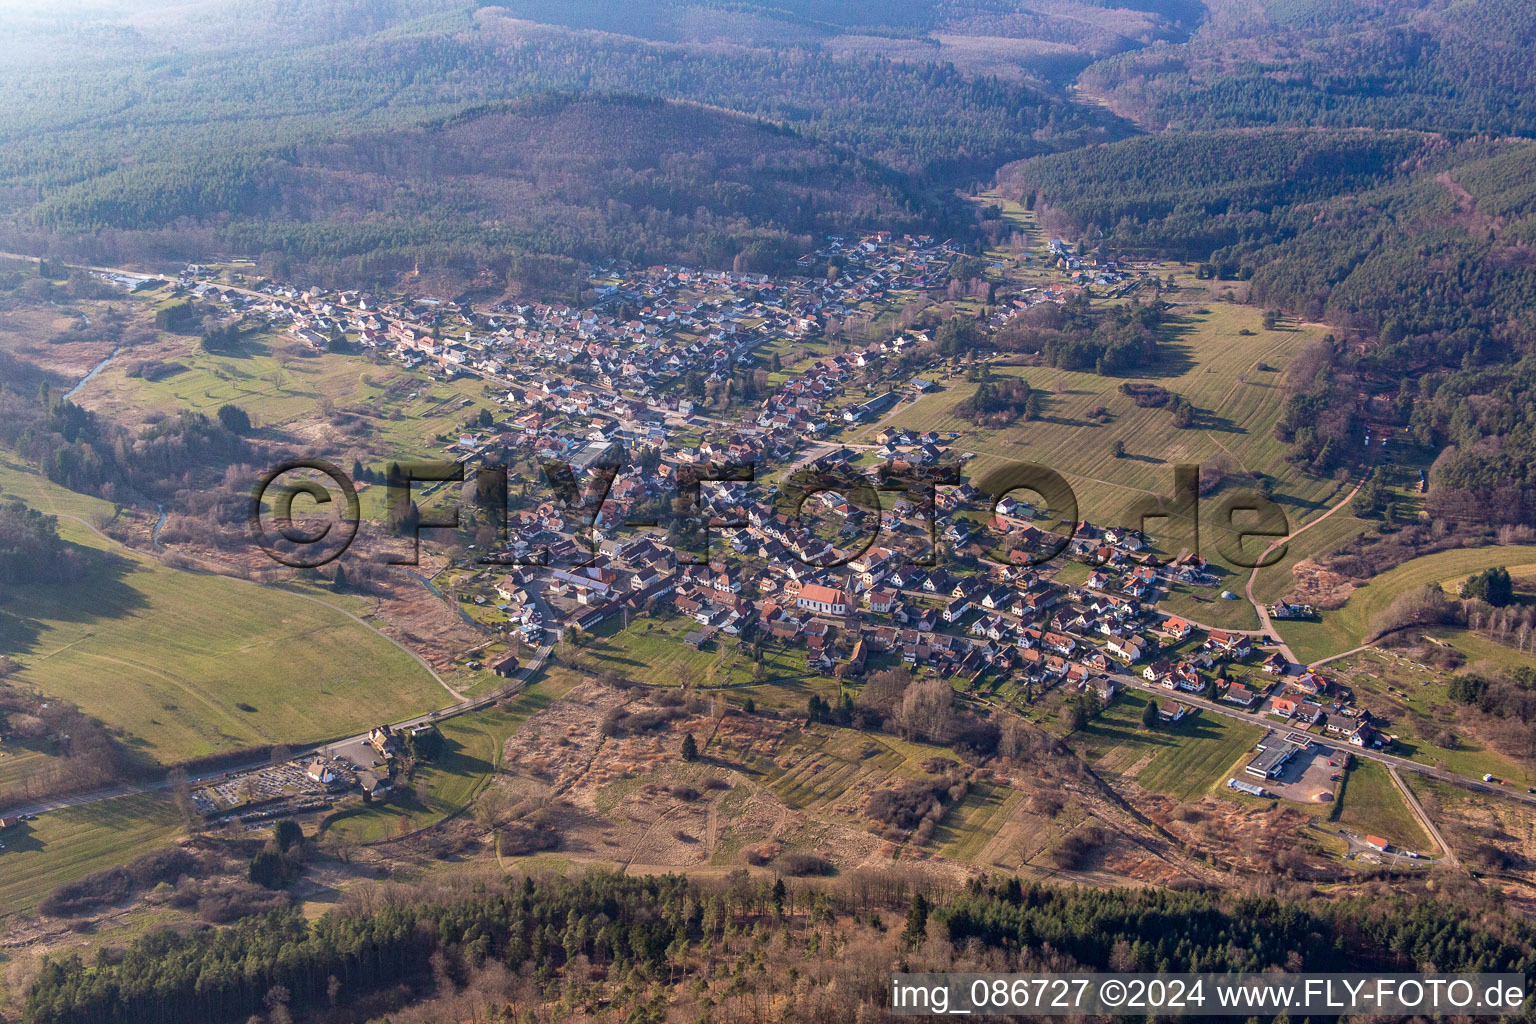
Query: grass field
point(826, 770)
point(1371, 804)
point(17, 762)
point(1207, 361)
point(829, 764)
point(1349, 626)
point(62, 846)
point(170, 656)
point(1207, 606)
point(18, 480)
point(406, 410)
point(1182, 761)
point(1275, 581)
point(969, 825)
point(653, 651)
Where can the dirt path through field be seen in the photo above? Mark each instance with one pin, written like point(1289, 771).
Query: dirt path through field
point(1264, 622)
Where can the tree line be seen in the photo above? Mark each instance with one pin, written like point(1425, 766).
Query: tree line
point(645, 932)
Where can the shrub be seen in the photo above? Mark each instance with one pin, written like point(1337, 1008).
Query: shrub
point(906, 805)
point(114, 885)
point(1074, 851)
point(801, 864)
point(618, 722)
point(90, 893)
point(761, 854)
point(1046, 804)
point(519, 839)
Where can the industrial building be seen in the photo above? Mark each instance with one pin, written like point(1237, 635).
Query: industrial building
point(1274, 753)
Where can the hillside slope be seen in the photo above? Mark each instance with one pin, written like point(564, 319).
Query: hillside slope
point(1437, 65)
point(590, 178)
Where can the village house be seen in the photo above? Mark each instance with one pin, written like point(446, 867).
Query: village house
point(1177, 629)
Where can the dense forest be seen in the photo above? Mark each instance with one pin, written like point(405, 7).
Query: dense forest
point(594, 178)
point(647, 936)
point(394, 148)
point(1436, 65)
point(1188, 194)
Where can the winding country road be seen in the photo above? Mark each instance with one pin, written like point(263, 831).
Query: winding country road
point(1265, 624)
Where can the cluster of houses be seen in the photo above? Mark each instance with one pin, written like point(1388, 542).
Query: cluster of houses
point(581, 379)
point(973, 620)
point(645, 326)
point(1092, 268)
point(999, 621)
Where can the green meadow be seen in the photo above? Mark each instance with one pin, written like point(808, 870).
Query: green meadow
point(188, 664)
point(1350, 626)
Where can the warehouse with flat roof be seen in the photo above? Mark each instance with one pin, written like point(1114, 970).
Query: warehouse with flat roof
point(1274, 753)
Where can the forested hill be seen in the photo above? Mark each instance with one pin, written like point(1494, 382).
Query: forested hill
point(1395, 234)
point(585, 177)
point(1189, 193)
point(89, 137)
point(1419, 250)
point(1438, 65)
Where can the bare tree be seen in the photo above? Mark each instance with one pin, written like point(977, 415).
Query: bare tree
point(927, 711)
point(181, 793)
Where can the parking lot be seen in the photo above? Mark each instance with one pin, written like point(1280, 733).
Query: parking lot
point(1308, 777)
point(355, 752)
